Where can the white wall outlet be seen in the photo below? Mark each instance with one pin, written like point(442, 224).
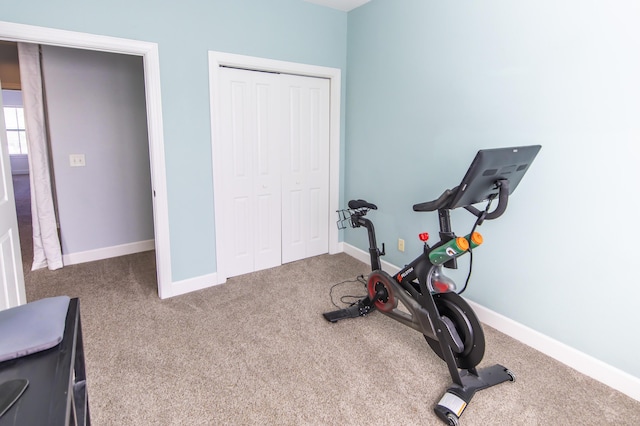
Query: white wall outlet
point(77, 160)
point(400, 244)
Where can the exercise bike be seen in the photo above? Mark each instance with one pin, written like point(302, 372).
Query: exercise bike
point(429, 302)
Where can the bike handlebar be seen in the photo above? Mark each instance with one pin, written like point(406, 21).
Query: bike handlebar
point(439, 203)
point(443, 201)
point(503, 201)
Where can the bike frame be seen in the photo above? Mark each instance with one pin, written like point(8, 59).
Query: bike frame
point(424, 315)
point(444, 318)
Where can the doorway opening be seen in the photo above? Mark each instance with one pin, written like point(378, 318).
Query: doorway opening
point(149, 53)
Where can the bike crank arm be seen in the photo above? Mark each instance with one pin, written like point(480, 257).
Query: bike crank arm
point(386, 293)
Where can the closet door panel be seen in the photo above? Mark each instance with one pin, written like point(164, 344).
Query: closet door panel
point(251, 149)
point(305, 171)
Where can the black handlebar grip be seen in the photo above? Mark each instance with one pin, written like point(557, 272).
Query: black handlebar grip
point(430, 206)
point(503, 200)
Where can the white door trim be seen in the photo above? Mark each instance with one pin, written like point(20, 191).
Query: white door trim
point(12, 290)
point(217, 59)
point(149, 52)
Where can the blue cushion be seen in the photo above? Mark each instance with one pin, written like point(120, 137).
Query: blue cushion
point(32, 327)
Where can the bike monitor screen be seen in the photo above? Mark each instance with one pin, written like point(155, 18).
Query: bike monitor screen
point(489, 166)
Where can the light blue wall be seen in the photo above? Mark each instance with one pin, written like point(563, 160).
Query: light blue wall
point(290, 30)
point(431, 82)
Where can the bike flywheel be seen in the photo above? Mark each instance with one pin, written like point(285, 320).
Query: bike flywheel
point(454, 307)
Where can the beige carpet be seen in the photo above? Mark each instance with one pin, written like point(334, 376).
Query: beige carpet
point(257, 350)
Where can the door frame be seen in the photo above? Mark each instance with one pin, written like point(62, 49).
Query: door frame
point(218, 59)
point(151, 64)
point(11, 279)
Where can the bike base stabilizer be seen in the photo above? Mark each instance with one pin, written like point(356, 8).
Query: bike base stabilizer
point(358, 309)
point(456, 398)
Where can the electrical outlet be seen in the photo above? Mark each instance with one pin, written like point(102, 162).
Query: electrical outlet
point(400, 244)
point(77, 160)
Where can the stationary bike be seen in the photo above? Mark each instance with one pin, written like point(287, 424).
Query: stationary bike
point(429, 302)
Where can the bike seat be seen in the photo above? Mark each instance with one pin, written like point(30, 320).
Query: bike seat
point(441, 203)
point(359, 204)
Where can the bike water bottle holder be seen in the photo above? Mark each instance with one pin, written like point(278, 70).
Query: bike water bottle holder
point(350, 216)
point(344, 216)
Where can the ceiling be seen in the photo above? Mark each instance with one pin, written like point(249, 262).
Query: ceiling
point(344, 5)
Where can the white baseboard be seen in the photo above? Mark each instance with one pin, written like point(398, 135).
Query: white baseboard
point(363, 256)
point(107, 252)
point(585, 364)
point(192, 284)
point(579, 361)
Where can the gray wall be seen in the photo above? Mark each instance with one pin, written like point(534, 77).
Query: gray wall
point(11, 97)
point(96, 107)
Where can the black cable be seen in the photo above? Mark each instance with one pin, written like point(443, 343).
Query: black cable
point(360, 279)
point(473, 229)
point(466, 283)
point(349, 300)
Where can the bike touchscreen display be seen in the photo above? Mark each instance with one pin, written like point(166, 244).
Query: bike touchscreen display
point(489, 166)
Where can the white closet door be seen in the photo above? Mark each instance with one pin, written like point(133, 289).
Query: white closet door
point(250, 128)
point(305, 168)
point(12, 291)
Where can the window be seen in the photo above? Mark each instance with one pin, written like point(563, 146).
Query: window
point(16, 133)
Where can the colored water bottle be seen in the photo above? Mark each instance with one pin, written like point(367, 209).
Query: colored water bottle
point(474, 239)
point(449, 250)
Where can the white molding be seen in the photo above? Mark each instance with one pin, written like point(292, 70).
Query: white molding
point(217, 59)
point(579, 361)
point(192, 284)
point(107, 252)
point(54, 37)
point(364, 257)
point(334, 156)
point(149, 52)
point(151, 62)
